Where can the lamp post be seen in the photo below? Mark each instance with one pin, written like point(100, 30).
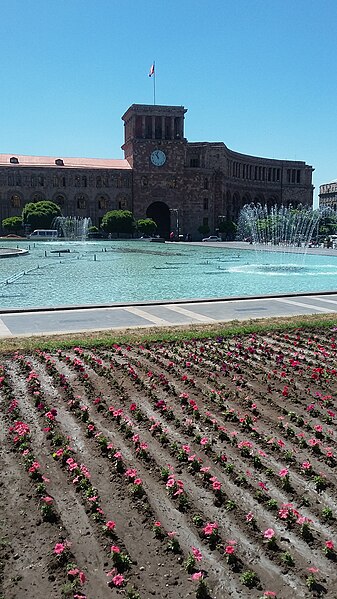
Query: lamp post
point(221, 219)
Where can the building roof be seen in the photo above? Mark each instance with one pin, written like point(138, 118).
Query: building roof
point(57, 161)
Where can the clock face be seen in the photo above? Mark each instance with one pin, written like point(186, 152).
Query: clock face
point(158, 157)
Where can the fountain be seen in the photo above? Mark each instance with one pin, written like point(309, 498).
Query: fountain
point(283, 226)
point(283, 230)
point(72, 228)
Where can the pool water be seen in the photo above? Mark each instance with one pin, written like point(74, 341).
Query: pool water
point(104, 272)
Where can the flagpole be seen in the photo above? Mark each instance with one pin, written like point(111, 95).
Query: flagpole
point(154, 83)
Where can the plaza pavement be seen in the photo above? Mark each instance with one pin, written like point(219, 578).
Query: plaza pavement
point(80, 319)
point(26, 323)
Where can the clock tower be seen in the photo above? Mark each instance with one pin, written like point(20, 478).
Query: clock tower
point(155, 147)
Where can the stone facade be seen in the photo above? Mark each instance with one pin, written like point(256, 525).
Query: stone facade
point(328, 195)
point(179, 184)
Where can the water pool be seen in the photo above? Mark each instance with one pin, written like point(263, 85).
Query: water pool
point(103, 272)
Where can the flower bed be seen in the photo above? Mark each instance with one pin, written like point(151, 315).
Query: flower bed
point(203, 468)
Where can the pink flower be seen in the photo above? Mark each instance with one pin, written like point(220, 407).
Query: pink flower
point(209, 528)
point(197, 576)
point(117, 580)
point(82, 577)
point(329, 545)
point(249, 517)
point(269, 533)
point(115, 549)
point(48, 500)
point(73, 572)
point(59, 548)
point(197, 554)
point(204, 441)
point(283, 472)
point(306, 465)
point(229, 550)
point(110, 524)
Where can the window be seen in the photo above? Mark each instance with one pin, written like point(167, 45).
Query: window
point(206, 183)
point(103, 203)
point(138, 126)
point(205, 221)
point(15, 201)
point(59, 162)
point(14, 160)
point(81, 203)
point(194, 162)
point(148, 127)
point(122, 203)
point(99, 181)
point(84, 181)
point(41, 180)
point(158, 127)
point(60, 200)
point(205, 203)
point(77, 181)
point(37, 197)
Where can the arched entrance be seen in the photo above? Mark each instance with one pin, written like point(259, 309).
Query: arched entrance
point(160, 213)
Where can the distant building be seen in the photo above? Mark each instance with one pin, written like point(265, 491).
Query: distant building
point(328, 195)
point(181, 185)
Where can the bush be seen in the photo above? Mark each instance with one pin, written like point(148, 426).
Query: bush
point(40, 215)
point(118, 221)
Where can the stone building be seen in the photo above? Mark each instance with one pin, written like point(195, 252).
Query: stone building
point(328, 196)
point(181, 185)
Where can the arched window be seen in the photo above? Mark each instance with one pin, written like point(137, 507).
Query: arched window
point(103, 203)
point(122, 203)
point(81, 203)
point(84, 181)
point(37, 197)
point(15, 201)
point(14, 160)
point(99, 181)
point(60, 200)
point(206, 183)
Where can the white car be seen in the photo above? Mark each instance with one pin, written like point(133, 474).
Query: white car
point(212, 238)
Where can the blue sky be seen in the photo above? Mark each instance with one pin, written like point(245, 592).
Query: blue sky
point(259, 75)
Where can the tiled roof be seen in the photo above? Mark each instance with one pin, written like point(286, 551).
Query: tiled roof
point(57, 161)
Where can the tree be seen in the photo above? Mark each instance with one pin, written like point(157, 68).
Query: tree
point(228, 228)
point(40, 215)
point(146, 226)
point(13, 224)
point(118, 221)
point(204, 229)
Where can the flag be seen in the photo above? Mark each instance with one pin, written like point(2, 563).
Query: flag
point(151, 70)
